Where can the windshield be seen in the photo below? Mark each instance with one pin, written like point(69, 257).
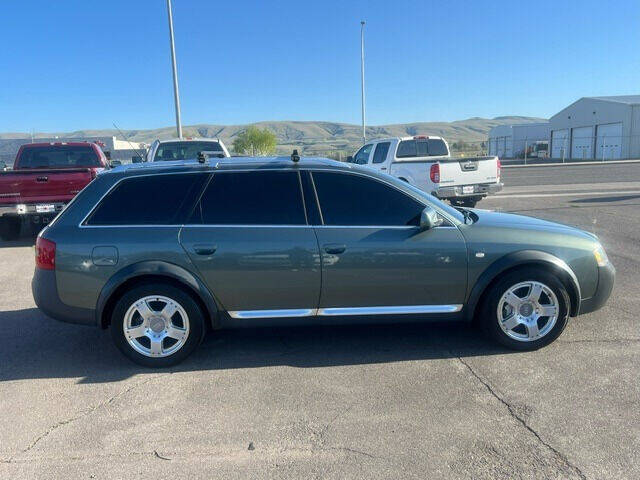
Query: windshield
point(58, 156)
point(184, 150)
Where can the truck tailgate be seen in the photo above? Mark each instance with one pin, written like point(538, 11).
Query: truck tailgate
point(42, 185)
point(468, 171)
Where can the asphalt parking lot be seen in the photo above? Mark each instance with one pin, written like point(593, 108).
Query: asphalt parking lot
point(418, 401)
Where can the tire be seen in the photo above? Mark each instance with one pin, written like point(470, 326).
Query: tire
point(10, 228)
point(527, 314)
point(176, 336)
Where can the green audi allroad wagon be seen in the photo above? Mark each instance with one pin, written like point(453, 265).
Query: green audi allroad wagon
point(161, 253)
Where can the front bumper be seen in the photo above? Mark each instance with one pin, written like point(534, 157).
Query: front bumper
point(479, 190)
point(45, 293)
point(44, 208)
point(606, 279)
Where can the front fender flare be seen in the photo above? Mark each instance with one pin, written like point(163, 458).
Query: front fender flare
point(160, 269)
point(522, 258)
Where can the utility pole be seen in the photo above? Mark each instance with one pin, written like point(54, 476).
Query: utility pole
point(176, 94)
point(364, 134)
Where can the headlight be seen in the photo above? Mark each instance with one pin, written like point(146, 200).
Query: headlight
point(601, 256)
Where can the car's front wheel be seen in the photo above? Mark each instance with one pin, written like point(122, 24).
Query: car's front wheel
point(157, 324)
point(526, 310)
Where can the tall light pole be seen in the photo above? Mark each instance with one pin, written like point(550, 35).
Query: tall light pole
point(176, 94)
point(364, 134)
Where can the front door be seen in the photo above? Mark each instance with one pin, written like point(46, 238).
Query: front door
point(250, 241)
point(374, 257)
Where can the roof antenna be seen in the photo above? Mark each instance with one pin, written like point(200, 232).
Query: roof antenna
point(202, 157)
point(295, 158)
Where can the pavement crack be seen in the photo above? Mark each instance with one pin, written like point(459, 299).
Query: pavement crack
point(83, 414)
point(522, 421)
point(157, 455)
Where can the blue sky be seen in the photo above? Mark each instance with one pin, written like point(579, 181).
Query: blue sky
point(71, 64)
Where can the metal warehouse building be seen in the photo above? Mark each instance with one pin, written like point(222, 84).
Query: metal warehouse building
point(604, 128)
point(510, 141)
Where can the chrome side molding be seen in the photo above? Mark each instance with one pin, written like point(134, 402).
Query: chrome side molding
point(299, 312)
point(340, 311)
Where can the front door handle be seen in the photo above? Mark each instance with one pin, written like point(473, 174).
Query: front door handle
point(334, 248)
point(205, 249)
point(383, 168)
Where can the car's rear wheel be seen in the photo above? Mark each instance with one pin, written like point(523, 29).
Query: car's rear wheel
point(526, 310)
point(157, 324)
point(10, 227)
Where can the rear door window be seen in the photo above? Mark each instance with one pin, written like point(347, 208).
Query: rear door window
point(149, 200)
point(355, 200)
point(58, 156)
point(251, 198)
point(380, 153)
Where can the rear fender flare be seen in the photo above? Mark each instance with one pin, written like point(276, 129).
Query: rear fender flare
point(524, 258)
point(159, 269)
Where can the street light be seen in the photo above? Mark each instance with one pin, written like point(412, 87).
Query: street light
point(364, 134)
point(176, 94)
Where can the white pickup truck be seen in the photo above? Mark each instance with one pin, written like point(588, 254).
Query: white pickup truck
point(425, 163)
point(185, 149)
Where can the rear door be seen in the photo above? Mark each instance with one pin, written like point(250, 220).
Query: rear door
point(374, 257)
point(249, 238)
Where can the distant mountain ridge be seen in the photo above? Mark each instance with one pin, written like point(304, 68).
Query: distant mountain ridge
point(309, 137)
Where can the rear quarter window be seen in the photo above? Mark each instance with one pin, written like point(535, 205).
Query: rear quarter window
point(149, 200)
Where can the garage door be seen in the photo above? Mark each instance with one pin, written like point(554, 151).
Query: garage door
point(559, 143)
point(582, 143)
point(609, 141)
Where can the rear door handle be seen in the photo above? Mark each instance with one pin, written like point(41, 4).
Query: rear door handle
point(205, 249)
point(334, 248)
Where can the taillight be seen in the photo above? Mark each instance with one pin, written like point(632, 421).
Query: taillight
point(498, 167)
point(45, 254)
point(434, 173)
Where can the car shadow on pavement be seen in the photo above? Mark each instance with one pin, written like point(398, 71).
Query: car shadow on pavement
point(29, 241)
point(35, 346)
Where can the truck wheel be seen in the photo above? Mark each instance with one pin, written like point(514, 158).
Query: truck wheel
point(10, 228)
point(526, 310)
point(157, 325)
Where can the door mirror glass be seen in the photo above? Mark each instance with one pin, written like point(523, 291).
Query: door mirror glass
point(115, 163)
point(429, 219)
point(136, 159)
point(350, 159)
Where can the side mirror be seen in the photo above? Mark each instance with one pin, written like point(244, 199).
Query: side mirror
point(136, 159)
point(429, 219)
point(350, 159)
point(115, 163)
point(3, 166)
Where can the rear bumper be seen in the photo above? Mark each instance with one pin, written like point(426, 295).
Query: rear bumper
point(53, 208)
point(606, 279)
point(45, 293)
point(479, 190)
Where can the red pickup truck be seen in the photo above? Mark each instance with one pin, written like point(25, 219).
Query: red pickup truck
point(44, 178)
